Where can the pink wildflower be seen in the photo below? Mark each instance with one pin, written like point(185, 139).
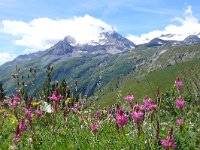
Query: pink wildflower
point(16, 137)
point(38, 113)
point(55, 96)
point(12, 104)
point(137, 117)
point(170, 142)
point(27, 111)
point(178, 83)
point(17, 97)
point(143, 107)
point(22, 126)
point(137, 107)
point(98, 114)
point(180, 122)
point(30, 117)
point(129, 98)
point(149, 104)
point(28, 114)
point(17, 134)
point(180, 103)
point(121, 118)
point(109, 113)
point(94, 127)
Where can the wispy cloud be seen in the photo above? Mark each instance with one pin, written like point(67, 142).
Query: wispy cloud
point(189, 25)
point(5, 56)
point(5, 3)
point(160, 11)
point(41, 33)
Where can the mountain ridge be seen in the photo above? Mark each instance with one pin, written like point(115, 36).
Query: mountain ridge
point(79, 61)
point(112, 43)
point(113, 57)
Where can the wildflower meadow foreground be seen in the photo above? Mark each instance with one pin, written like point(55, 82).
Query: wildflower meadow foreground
point(63, 121)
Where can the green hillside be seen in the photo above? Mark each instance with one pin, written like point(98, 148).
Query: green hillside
point(93, 72)
point(146, 85)
point(87, 70)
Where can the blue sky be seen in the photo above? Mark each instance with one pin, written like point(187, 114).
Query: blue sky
point(128, 17)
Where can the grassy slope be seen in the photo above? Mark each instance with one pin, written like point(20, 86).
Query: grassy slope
point(147, 85)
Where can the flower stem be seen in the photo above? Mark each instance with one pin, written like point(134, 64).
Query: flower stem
point(126, 139)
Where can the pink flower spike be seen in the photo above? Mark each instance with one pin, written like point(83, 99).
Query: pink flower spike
point(39, 113)
point(149, 104)
point(137, 117)
point(170, 142)
point(22, 126)
point(17, 134)
point(17, 97)
point(28, 114)
point(16, 137)
point(121, 118)
point(94, 127)
point(137, 107)
point(180, 103)
point(178, 83)
point(55, 96)
point(180, 122)
point(129, 98)
point(98, 114)
point(164, 143)
point(30, 117)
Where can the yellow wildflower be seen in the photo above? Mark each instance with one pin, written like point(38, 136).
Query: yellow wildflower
point(69, 100)
point(2, 110)
point(36, 104)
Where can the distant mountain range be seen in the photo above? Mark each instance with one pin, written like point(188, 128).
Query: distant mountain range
point(109, 43)
point(111, 57)
point(191, 39)
point(83, 62)
point(178, 37)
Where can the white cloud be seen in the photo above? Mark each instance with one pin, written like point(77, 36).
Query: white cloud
point(4, 57)
point(189, 25)
point(41, 33)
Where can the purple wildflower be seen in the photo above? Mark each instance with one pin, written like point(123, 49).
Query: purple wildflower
point(38, 113)
point(149, 104)
point(170, 142)
point(22, 126)
point(180, 122)
point(94, 127)
point(129, 98)
point(137, 117)
point(178, 83)
point(55, 96)
point(121, 118)
point(180, 103)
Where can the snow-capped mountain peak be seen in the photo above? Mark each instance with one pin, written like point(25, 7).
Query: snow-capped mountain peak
point(177, 37)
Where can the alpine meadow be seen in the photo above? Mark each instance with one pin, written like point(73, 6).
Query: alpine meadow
point(95, 75)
